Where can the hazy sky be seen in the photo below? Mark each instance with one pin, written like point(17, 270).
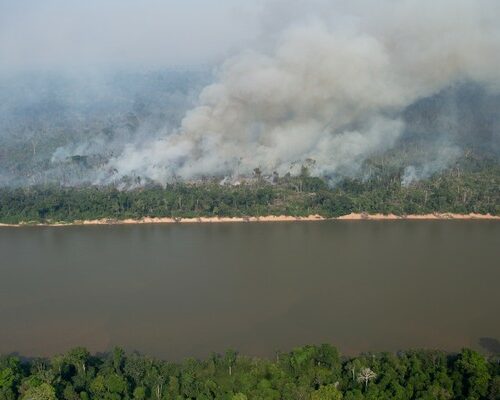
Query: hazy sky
point(67, 33)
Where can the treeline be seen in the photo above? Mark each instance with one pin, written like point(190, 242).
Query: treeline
point(309, 372)
point(457, 190)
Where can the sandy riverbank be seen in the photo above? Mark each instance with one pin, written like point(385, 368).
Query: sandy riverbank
point(434, 216)
point(269, 218)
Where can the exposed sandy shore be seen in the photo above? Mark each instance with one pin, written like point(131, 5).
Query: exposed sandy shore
point(434, 216)
point(269, 218)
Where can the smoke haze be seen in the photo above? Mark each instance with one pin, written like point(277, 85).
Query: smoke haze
point(83, 35)
point(326, 84)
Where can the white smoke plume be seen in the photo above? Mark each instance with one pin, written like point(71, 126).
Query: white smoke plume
point(330, 85)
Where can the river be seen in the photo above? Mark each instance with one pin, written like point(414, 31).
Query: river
point(181, 290)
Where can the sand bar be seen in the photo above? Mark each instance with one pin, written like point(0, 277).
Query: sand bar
point(268, 218)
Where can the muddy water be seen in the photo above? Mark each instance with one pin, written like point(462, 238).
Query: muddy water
point(187, 290)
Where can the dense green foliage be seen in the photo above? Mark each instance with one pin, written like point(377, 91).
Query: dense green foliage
point(309, 372)
point(474, 187)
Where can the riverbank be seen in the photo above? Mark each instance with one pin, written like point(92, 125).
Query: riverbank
point(433, 216)
point(268, 218)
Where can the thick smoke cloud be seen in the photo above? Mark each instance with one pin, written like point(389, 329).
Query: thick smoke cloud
point(86, 95)
point(330, 85)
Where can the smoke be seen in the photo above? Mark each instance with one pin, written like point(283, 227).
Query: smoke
point(64, 127)
point(77, 35)
point(331, 87)
point(439, 159)
point(327, 84)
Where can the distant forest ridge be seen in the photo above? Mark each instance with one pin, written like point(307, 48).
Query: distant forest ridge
point(470, 186)
point(308, 373)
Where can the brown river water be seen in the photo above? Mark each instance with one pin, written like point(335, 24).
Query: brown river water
point(180, 290)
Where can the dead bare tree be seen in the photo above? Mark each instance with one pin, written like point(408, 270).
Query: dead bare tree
point(366, 375)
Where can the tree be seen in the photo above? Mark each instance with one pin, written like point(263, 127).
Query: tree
point(473, 369)
point(135, 367)
point(306, 373)
point(139, 393)
point(41, 392)
point(494, 392)
point(109, 386)
point(301, 359)
point(7, 378)
point(328, 392)
point(115, 383)
point(78, 357)
point(351, 367)
point(69, 393)
point(156, 380)
point(230, 358)
point(327, 355)
point(118, 357)
point(366, 375)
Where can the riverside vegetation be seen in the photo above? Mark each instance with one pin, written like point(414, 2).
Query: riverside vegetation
point(471, 186)
point(309, 372)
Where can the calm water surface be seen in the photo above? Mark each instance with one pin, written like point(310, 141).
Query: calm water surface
point(187, 290)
